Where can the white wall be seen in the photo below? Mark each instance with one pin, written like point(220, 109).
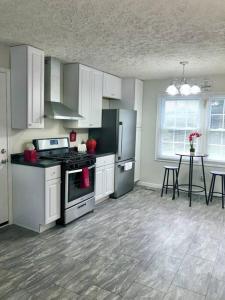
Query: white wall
point(152, 170)
point(4, 56)
point(53, 128)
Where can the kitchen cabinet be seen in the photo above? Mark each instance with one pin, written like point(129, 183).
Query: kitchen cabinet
point(83, 94)
point(52, 200)
point(111, 86)
point(132, 97)
point(27, 87)
point(36, 196)
point(104, 176)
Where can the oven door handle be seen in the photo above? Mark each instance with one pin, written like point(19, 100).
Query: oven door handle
point(79, 170)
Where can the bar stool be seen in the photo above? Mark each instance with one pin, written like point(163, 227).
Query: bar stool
point(212, 185)
point(175, 180)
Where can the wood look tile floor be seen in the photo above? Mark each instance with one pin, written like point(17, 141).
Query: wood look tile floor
point(139, 247)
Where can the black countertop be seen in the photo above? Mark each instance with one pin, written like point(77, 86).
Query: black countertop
point(18, 159)
point(103, 154)
point(43, 162)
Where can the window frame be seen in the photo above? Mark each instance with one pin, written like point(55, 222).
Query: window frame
point(205, 114)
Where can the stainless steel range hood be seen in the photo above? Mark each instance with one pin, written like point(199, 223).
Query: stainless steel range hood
point(54, 109)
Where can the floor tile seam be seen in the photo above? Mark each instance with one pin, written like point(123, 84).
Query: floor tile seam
point(147, 286)
point(178, 269)
point(105, 289)
point(179, 286)
point(54, 284)
point(199, 257)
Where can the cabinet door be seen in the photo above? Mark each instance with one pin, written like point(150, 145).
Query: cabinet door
point(35, 88)
point(137, 155)
point(109, 179)
point(52, 200)
point(138, 100)
point(117, 87)
point(111, 86)
point(99, 183)
point(85, 91)
point(96, 99)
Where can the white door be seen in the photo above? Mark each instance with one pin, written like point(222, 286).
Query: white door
point(99, 183)
point(96, 99)
point(52, 200)
point(35, 88)
point(109, 179)
point(4, 204)
point(84, 96)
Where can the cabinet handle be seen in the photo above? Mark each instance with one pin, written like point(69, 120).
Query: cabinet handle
point(81, 205)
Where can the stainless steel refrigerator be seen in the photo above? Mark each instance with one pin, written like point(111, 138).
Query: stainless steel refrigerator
point(118, 135)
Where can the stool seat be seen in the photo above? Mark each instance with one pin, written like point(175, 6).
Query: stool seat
point(219, 173)
point(171, 167)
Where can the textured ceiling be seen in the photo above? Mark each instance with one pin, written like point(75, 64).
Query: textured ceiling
point(130, 38)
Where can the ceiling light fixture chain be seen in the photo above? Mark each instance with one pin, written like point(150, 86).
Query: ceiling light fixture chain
point(183, 88)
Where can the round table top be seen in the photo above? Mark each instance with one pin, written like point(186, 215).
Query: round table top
point(193, 155)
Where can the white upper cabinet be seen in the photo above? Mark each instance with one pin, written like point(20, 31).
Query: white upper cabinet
point(132, 96)
point(111, 86)
point(138, 99)
point(83, 93)
point(27, 87)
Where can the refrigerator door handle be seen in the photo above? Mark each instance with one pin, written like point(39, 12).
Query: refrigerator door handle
point(120, 146)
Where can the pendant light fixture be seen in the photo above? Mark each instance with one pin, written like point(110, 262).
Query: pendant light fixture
point(183, 87)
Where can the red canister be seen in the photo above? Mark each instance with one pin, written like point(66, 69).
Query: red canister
point(30, 155)
point(73, 136)
point(91, 145)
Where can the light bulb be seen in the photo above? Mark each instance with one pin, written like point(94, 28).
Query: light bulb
point(185, 89)
point(195, 89)
point(172, 90)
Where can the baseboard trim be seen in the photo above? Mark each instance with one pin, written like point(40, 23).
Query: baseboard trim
point(149, 184)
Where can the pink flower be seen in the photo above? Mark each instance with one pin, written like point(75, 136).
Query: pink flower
point(194, 134)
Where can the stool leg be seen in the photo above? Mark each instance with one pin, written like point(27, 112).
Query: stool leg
point(190, 180)
point(222, 181)
point(164, 178)
point(167, 180)
point(177, 185)
point(213, 185)
point(174, 185)
point(210, 189)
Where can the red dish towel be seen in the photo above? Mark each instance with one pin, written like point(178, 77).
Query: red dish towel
point(85, 181)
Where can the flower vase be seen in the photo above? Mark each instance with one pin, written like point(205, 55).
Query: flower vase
point(192, 151)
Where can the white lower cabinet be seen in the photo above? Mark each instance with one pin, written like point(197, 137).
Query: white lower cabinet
point(99, 183)
point(109, 179)
point(36, 196)
point(52, 200)
point(104, 176)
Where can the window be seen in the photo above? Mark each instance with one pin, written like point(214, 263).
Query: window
point(179, 116)
point(216, 129)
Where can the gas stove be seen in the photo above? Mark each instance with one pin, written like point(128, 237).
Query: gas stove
point(75, 199)
point(70, 159)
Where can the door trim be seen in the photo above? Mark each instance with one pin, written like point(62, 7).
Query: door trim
point(9, 142)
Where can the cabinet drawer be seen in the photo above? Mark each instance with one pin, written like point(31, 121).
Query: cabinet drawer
point(52, 173)
point(105, 160)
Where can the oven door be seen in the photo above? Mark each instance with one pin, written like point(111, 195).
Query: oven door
point(74, 193)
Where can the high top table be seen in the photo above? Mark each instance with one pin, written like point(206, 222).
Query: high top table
point(190, 185)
